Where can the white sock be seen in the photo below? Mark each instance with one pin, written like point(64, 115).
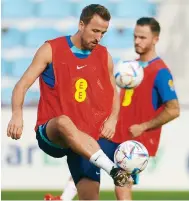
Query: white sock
point(101, 160)
point(70, 191)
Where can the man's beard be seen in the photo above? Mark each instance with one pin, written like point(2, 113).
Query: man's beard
point(84, 45)
point(141, 51)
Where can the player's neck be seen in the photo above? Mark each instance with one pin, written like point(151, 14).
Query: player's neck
point(76, 40)
point(148, 56)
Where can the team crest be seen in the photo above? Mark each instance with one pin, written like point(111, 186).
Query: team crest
point(171, 85)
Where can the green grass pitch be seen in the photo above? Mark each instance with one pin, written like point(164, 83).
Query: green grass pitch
point(104, 195)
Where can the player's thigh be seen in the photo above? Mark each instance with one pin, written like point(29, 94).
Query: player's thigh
point(48, 146)
point(88, 189)
point(53, 130)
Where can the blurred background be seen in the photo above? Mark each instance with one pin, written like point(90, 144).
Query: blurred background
point(27, 172)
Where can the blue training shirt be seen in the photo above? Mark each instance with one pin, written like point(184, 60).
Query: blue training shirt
point(48, 73)
point(163, 89)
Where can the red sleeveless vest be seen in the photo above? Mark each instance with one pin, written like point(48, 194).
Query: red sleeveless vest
point(82, 90)
point(137, 107)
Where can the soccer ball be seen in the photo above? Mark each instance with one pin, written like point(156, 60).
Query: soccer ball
point(131, 156)
point(128, 74)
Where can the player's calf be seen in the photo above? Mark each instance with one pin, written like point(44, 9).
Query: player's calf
point(123, 193)
point(88, 189)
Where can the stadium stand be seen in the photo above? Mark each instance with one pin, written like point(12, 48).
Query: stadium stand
point(26, 24)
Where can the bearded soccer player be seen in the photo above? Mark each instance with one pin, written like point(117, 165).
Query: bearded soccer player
point(153, 103)
point(78, 99)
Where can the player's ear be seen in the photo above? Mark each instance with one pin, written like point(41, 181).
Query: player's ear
point(81, 25)
point(155, 39)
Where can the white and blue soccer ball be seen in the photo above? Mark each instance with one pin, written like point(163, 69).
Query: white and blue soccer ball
point(132, 156)
point(128, 74)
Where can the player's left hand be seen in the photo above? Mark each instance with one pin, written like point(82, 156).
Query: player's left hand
point(108, 129)
point(136, 130)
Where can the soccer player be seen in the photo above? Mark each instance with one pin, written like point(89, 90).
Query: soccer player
point(153, 103)
point(147, 108)
point(78, 98)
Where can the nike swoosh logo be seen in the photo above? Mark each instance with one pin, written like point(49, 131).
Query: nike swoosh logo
point(97, 158)
point(79, 67)
point(97, 173)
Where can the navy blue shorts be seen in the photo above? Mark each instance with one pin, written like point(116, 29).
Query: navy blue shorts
point(47, 146)
point(79, 167)
point(82, 168)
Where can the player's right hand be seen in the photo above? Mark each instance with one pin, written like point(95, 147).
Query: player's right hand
point(15, 127)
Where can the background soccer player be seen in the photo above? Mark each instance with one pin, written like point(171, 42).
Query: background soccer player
point(153, 103)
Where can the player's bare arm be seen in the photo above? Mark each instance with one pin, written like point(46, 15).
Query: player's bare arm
point(42, 57)
point(108, 130)
point(171, 111)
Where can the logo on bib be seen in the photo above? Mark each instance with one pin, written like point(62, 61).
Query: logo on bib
point(80, 93)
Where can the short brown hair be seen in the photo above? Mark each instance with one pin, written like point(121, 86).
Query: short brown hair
point(151, 22)
point(94, 9)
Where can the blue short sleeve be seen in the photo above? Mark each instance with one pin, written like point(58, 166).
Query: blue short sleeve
point(165, 86)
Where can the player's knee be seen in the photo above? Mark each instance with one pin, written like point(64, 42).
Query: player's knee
point(63, 121)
